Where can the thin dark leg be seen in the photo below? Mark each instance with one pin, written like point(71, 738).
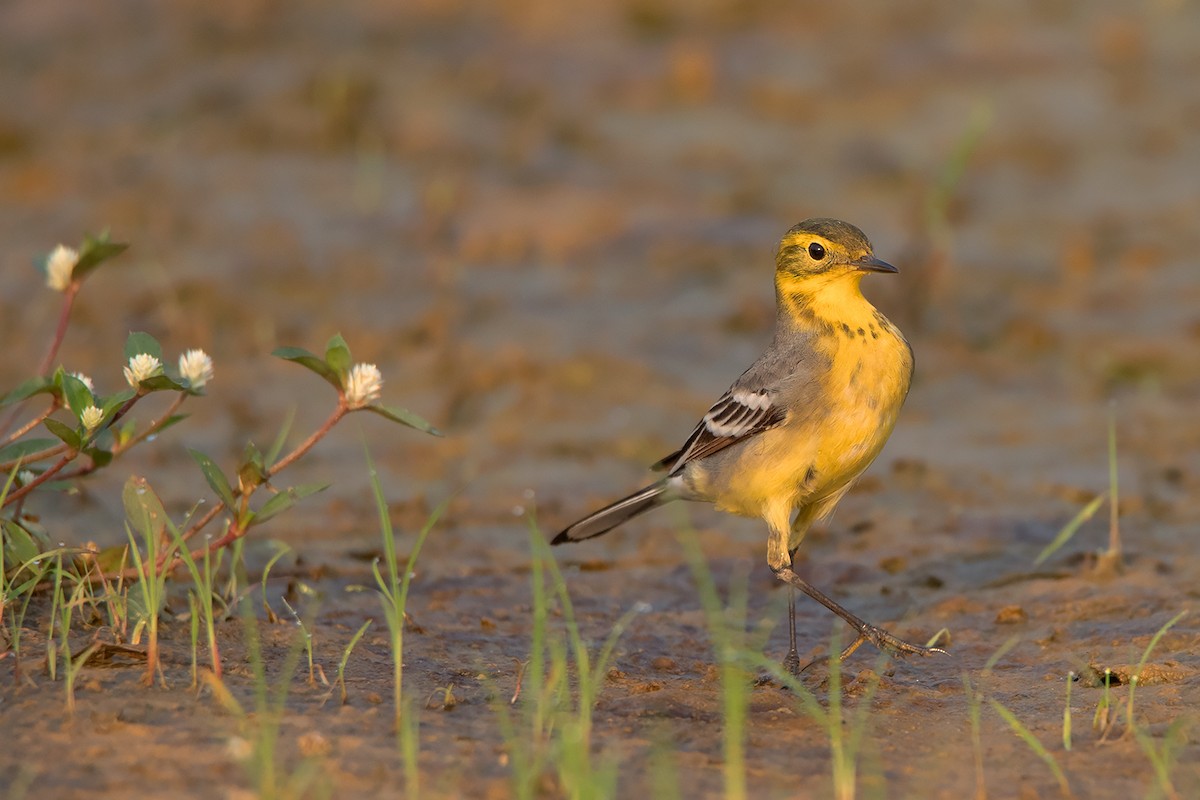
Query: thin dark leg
point(866, 631)
point(791, 662)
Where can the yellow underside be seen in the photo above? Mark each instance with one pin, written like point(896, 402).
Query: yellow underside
point(807, 464)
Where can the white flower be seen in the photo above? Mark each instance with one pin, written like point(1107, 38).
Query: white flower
point(363, 385)
point(196, 368)
point(85, 380)
point(141, 367)
point(91, 418)
point(26, 477)
point(59, 267)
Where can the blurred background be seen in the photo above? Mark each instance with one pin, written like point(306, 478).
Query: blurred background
point(552, 226)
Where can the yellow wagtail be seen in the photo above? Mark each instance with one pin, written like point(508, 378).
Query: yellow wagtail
point(796, 429)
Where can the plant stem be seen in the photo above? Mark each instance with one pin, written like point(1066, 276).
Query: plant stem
point(153, 427)
point(308, 443)
point(60, 332)
point(235, 531)
point(33, 423)
point(17, 494)
point(33, 458)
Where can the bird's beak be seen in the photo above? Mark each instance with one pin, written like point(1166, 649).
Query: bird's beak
point(873, 264)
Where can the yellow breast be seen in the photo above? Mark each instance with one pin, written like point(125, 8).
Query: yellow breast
point(817, 454)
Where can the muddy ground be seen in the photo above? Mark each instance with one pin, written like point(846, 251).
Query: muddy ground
point(552, 227)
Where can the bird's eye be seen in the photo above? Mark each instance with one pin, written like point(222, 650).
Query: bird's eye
point(816, 250)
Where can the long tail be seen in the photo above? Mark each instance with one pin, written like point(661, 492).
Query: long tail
point(611, 516)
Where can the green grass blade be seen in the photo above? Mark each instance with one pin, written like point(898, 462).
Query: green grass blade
point(1068, 530)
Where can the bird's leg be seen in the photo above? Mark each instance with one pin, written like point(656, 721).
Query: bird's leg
point(791, 662)
point(866, 631)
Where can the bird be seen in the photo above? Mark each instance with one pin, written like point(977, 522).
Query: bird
point(789, 438)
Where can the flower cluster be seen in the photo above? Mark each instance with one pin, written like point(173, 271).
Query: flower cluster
point(91, 418)
point(364, 385)
point(60, 266)
point(141, 367)
point(196, 368)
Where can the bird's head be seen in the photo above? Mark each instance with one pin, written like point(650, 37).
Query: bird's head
point(819, 250)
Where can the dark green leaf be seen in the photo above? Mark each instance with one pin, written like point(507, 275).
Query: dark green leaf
point(95, 252)
point(20, 546)
point(68, 435)
point(139, 342)
point(162, 383)
point(174, 419)
point(113, 402)
point(285, 500)
point(78, 395)
point(215, 477)
point(304, 358)
point(28, 389)
point(404, 417)
point(337, 355)
point(24, 448)
point(99, 456)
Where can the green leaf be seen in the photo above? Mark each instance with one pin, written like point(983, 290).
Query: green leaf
point(304, 358)
point(140, 342)
point(162, 383)
point(95, 252)
point(111, 403)
point(404, 417)
point(68, 435)
point(337, 355)
point(137, 610)
point(252, 471)
point(285, 500)
point(215, 477)
point(281, 438)
point(28, 389)
point(99, 456)
point(20, 545)
point(78, 395)
point(124, 433)
point(26, 447)
point(112, 559)
point(172, 420)
point(143, 508)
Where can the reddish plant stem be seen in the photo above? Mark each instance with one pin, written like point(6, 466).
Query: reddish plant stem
point(308, 443)
point(33, 458)
point(153, 427)
point(235, 531)
point(53, 451)
point(54, 469)
point(121, 449)
point(33, 423)
point(60, 332)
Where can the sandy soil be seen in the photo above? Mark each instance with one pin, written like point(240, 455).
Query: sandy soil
point(552, 227)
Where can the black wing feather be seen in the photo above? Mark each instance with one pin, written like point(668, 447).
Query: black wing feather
point(730, 420)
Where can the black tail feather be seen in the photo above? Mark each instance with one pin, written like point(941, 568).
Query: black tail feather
point(609, 517)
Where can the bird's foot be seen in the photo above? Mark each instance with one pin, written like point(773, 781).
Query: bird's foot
point(887, 643)
point(791, 663)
